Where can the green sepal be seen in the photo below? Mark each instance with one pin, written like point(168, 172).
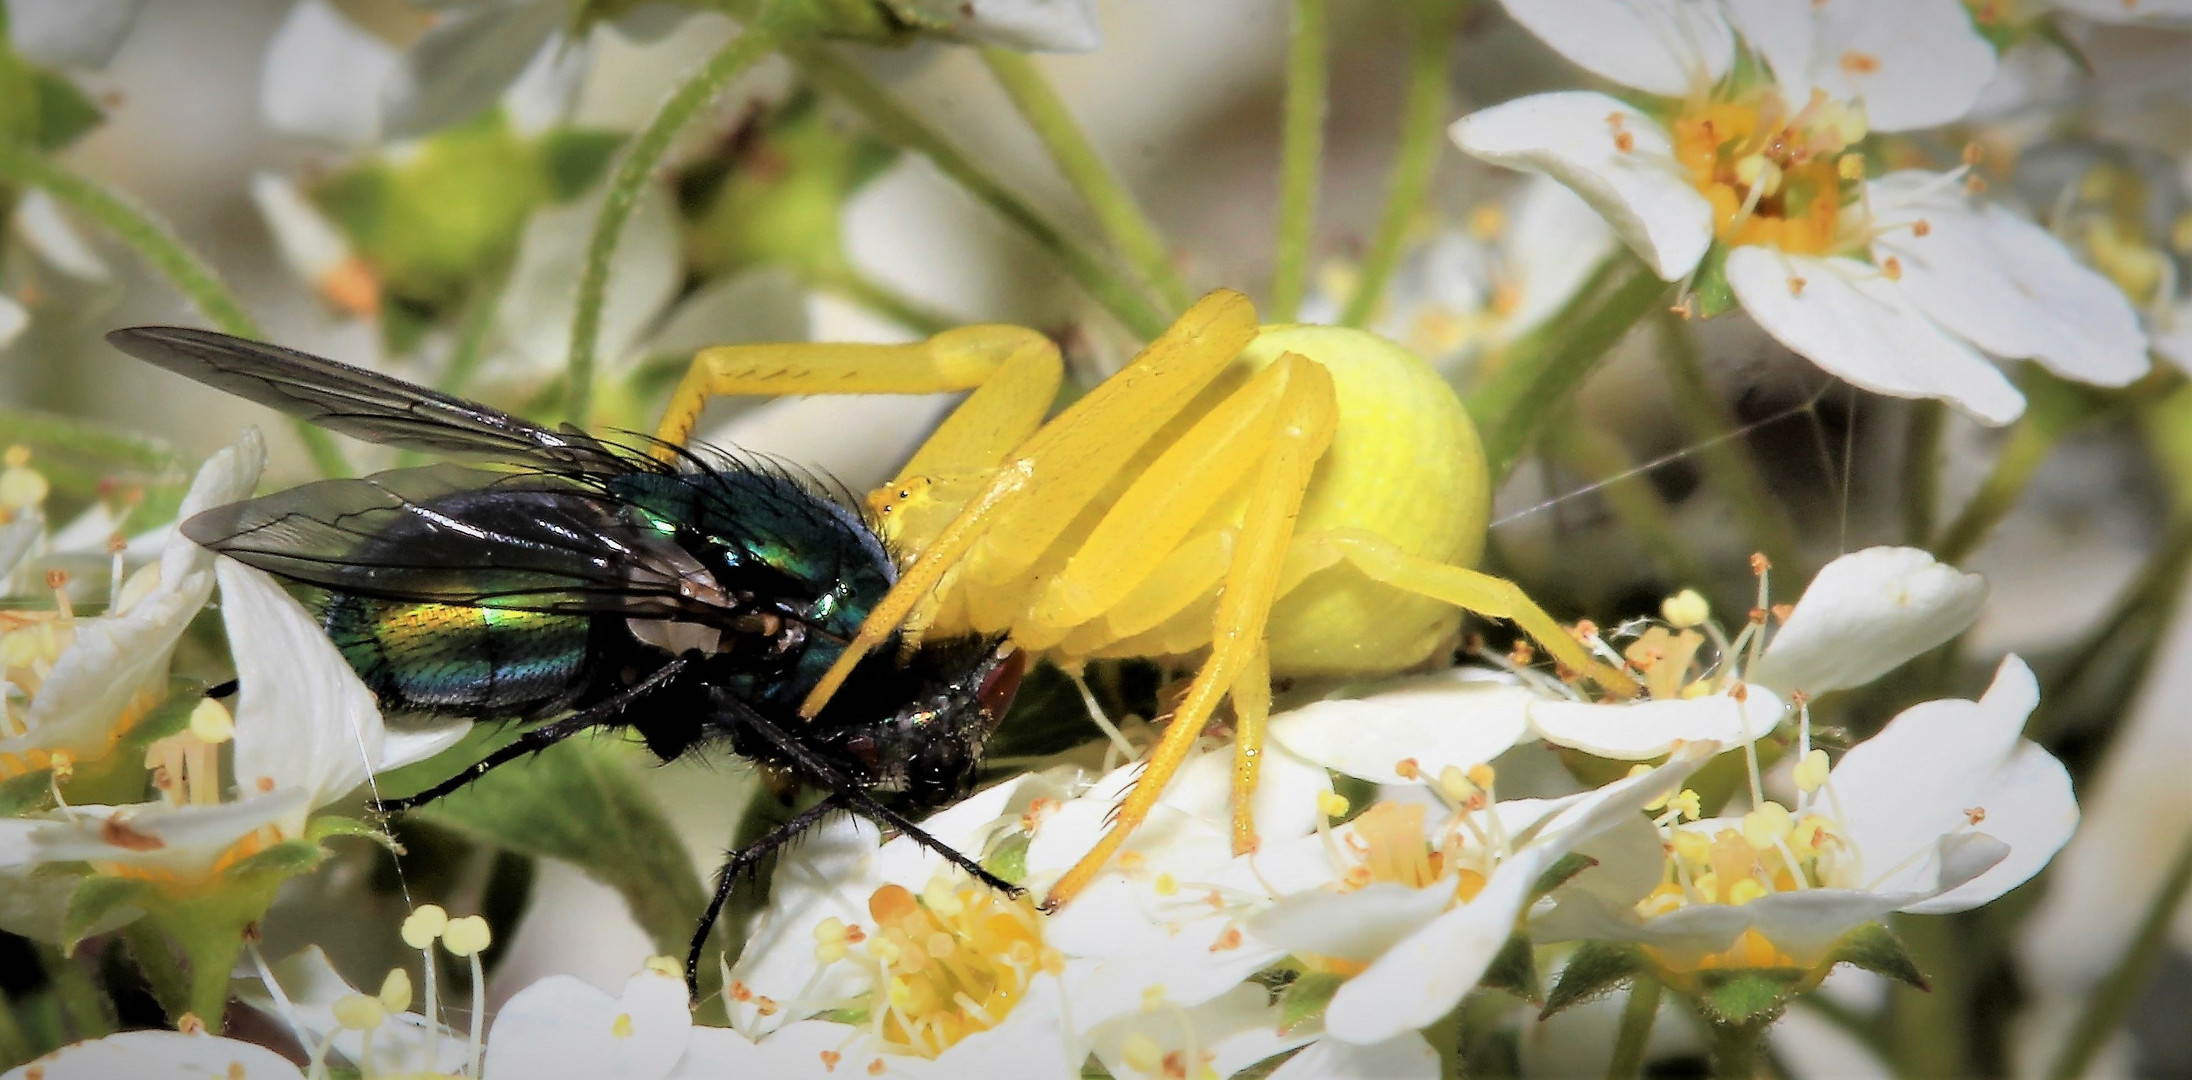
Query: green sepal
point(1743, 996)
point(96, 897)
point(1597, 968)
point(328, 826)
point(1514, 970)
point(170, 717)
point(1875, 948)
point(1304, 1000)
point(1710, 287)
point(576, 801)
point(279, 862)
point(65, 113)
point(2049, 29)
point(26, 794)
point(1560, 873)
point(1008, 860)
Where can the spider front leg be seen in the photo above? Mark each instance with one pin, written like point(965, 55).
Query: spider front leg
point(1308, 414)
point(1470, 590)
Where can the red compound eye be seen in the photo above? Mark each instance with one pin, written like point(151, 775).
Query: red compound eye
point(1001, 683)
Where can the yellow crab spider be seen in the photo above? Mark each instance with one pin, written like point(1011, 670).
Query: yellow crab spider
point(1294, 500)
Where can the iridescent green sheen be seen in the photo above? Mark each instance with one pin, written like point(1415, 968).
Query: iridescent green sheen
point(426, 657)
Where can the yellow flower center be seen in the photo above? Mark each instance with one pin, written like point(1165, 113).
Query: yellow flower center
point(1769, 851)
point(952, 961)
point(1774, 176)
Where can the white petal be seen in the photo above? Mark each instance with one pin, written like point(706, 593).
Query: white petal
point(1359, 925)
point(1912, 63)
point(113, 659)
point(310, 244)
point(1847, 318)
point(1909, 785)
point(464, 63)
point(543, 94)
point(18, 536)
point(1403, 1057)
point(560, 1026)
point(48, 232)
point(158, 1055)
point(1285, 802)
point(12, 320)
point(1237, 1029)
point(324, 75)
point(828, 874)
point(71, 33)
point(303, 719)
point(2172, 339)
point(534, 316)
point(311, 986)
point(1664, 47)
point(1866, 614)
point(1641, 730)
point(228, 476)
point(183, 840)
point(2008, 285)
point(1446, 718)
point(2030, 807)
point(1642, 192)
point(1554, 243)
point(1065, 26)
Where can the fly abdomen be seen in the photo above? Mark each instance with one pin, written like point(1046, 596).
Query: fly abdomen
point(467, 661)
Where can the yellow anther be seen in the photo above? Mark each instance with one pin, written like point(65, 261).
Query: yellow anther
point(667, 966)
point(1850, 167)
point(1691, 847)
point(395, 992)
point(1685, 609)
point(1745, 891)
point(1765, 826)
point(1758, 173)
point(1142, 1054)
point(2180, 234)
point(1455, 785)
point(63, 766)
point(1153, 997)
point(424, 925)
point(359, 1012)
point(1482, 776)
point(1811, 773)
point(621, 1027)
point(1166, 885)
point(16, 456)
point(1332, 804)
point(211, 723)
point(1487, 220)
point(466, 936)
point(1689, 804)
point(22, 487)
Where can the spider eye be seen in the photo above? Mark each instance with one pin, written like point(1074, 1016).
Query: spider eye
point(1001, 683)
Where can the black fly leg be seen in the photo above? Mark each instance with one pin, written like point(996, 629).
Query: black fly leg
point(822, 773)
point(535, 740)
point(740, 863)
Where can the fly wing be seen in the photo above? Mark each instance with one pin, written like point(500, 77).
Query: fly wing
point(364, 404)
point(445, 534)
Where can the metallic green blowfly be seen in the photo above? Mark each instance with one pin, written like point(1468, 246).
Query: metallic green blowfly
point(590, 585)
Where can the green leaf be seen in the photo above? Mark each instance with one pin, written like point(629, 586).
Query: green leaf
point(28, 793)
point(65, 112)
point(1514, 970)
point(1714, 296)
point(1876, 949)
point(169, 717)
point(1749, 995)
point(1596, 968)
point(1304, 1000)
point(572, 159)
point(1560, 873)
point(97, 898)
point(281, 862)
point(578, 801)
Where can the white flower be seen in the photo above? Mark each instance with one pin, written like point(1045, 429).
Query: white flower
point(85, 680)
point(1865, 614)
point(953, 978)
point(1219, 1037)
point(158, 1055)
point(1066, 26)
point(306, 733)
point(1902, 285)
point(71, 33)
point(1456, 717)
point(1944, 810)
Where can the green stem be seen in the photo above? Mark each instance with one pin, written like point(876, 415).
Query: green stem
point(1922, 470)
point(860, 288)
point(1929, 1026)
point(1423, 118)
point(156, 958)
point(1636, 1030)
point(1445, 1037)
point(1612, 473)
point(16, 1046)
point(1546, 368)
point(1727, 464)
point(2052, 409)
point(1301, 151)
point(1738, 1050)
point(634, 169)
point(157, 244)
point(2112, 1000)
point(893, 121)
point(1130, 231)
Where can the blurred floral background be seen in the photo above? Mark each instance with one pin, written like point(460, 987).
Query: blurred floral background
point(1882, 305)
